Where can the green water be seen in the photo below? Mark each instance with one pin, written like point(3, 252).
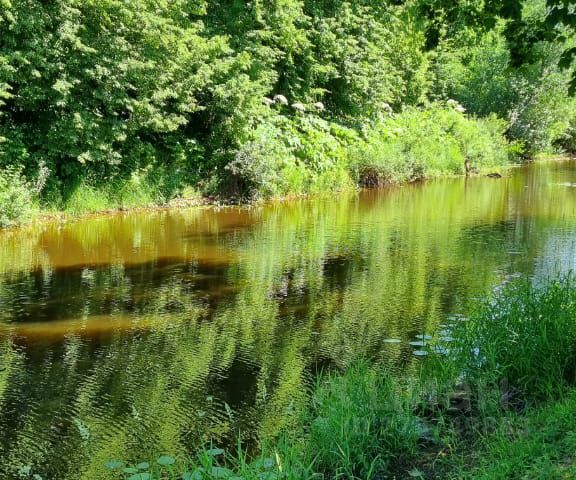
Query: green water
point(132, 335)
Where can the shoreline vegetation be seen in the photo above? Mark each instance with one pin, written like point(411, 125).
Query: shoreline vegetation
point(196, 200)
point(493, 398)
point(400, 149)
point(116, 105)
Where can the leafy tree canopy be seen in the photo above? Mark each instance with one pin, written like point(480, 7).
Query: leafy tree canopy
point(522, 31)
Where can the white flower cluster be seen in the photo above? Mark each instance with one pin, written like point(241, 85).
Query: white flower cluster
point(455, 105)
point(298, 106)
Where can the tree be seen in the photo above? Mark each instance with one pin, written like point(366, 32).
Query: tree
point(522, 32)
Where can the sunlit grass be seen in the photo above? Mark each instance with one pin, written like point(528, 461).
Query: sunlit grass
point(539, 445)
point(523, 341)
point(360, 423)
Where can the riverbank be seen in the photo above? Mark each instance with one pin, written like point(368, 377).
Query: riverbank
point(493, 397)
point(317, 157)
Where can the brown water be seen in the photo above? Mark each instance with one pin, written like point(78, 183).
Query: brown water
point(132, 335)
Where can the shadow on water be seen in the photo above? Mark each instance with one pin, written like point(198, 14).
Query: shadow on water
point(128, 336)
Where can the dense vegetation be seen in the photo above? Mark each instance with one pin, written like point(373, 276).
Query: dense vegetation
point(113, 103)
point(494, 401)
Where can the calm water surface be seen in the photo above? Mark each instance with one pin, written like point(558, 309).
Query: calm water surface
point(133, 335)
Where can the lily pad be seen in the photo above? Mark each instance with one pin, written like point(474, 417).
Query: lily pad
point(112, 464)
point(392, 340)
point(424, 336)
point(418, 343)
point(130, 470)
point(143, 466)
point(420, 353)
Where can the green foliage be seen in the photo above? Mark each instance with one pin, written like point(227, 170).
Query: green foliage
point(522, 30)
point(538, 445)
point(523, 342)
point(369, 53)
point(116, 83)
point(476, 69)
point(293, 156)
point(360, 423)
point(17, 202)
point(430, 142)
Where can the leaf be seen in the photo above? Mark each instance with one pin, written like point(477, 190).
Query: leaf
point(112, 464)
point(143, 466)
point(165, 460)
point(215, 452)
point(195, 475)
point(130, 470)
point(140, 476)
point(221, 472)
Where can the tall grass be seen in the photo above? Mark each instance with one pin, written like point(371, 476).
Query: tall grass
point(540, 445)
point(522, 342)
point(361, 423)
point(139, 190)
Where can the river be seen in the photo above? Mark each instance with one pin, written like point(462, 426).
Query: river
point(130, 335)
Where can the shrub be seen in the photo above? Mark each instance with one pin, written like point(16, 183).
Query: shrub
point(292, 156)
point(17, 198)
point(430, 142)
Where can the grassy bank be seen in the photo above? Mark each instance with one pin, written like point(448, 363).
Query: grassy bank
point(285, 157)
point(493, 398)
